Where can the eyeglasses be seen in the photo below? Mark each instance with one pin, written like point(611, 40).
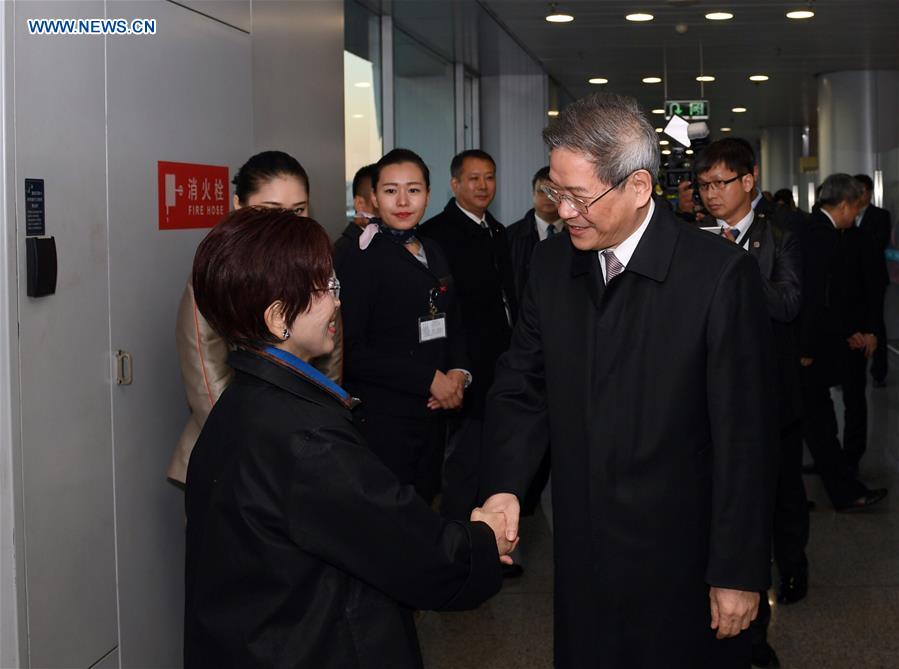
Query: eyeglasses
point(333, 288)
point(579, 205)
point(720, 184)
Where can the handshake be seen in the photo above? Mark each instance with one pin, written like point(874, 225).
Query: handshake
point(501, 513)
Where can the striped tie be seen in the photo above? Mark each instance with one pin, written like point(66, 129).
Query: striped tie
point(613, 266)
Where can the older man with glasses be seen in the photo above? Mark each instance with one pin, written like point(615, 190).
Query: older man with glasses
point(642, 362)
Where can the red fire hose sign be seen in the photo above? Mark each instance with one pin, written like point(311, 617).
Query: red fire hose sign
point(191, 195)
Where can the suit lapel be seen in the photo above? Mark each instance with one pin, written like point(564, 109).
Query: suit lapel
point(761, 244)
point(585, 264)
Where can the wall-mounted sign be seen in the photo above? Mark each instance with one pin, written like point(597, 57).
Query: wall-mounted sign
point(191, 195)
point(34, 208)
point(689, 110)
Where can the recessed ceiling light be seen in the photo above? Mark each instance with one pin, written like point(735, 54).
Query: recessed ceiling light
point(801, 14)
point(558, 17)
point(598, 80)
point(652, 80)
point(639, 17)
point(738, 110)
point(725, 129)
point(658, 111)
point(705, 77)
point(659, 130)
point(719, 16)
point(663, 142)
point(759, 77)
point(689, 152)
point(358, 115)
point(552, 112)
point(666, 152)
point(362, 84)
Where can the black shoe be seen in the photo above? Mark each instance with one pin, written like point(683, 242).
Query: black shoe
point(512, 570)
point(763, 655)
point(793, 586)
point(870, 498)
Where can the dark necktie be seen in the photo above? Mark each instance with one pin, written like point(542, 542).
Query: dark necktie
point(550, 230)
point(613, 266)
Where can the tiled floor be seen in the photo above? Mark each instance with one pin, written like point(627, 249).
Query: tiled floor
point(850, 619)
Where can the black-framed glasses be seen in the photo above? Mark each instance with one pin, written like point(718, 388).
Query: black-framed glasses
point(719, 184)
point(576, 203)
point(333, 288)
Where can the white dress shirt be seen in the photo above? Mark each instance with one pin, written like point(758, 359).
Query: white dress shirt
point(741, 227)
point(625, 250)
point(543, 227)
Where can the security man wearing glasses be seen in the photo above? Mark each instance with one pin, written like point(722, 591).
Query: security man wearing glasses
point(647, 363)
point(725, 178)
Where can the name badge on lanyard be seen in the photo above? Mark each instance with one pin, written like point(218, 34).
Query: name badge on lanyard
point(432, 326)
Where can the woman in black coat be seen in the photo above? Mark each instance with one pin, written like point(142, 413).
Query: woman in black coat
point(404, 346)
point(303, 550)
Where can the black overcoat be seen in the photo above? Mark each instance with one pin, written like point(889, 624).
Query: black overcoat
point(303, 551)
point(655, 394)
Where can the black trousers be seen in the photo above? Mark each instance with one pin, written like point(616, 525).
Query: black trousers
point(819, 427)
point(411, 447)
point(461, 468)
point(853, 380)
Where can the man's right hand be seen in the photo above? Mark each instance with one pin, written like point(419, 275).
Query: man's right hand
point(506, 503)
point(447, 391)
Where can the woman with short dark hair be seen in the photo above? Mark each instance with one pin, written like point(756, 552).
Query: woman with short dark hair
point(303, 550)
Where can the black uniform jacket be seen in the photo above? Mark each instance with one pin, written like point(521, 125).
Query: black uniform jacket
point(876, 223)
point(302, 548)
point(482, 271)
point(384, 291)
point(776, 248)
point(523, 238)
point(842, 289)
point(655, 394)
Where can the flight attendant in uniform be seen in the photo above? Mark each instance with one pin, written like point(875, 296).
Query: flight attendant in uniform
point(403, 343)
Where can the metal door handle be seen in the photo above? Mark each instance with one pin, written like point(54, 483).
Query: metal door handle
point(124, 368)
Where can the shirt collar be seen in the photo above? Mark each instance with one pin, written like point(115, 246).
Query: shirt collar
point(625, 250)
point(827, 213)
point(474, 217)
point(741, 226)
point(756, 199)
point(543, 225)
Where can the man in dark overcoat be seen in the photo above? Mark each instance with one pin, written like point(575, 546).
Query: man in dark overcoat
point(648, 363)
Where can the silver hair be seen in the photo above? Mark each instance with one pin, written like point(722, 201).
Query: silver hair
point(839, 188)
point(611, 131)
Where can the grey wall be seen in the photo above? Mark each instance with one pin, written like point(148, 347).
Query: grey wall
point(96, 569)
point(297, 89)
point(513, 115)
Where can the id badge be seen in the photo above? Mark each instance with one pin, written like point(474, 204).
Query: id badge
point(432, 327)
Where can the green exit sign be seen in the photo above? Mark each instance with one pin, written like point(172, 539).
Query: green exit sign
point(689, 110)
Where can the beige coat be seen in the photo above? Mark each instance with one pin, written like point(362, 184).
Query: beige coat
point(203, 356)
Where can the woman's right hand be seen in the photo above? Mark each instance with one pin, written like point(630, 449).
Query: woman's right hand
point(447, 391)
point(497, 523)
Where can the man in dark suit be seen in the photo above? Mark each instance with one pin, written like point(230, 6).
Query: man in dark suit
point(537, 225)
point(364, 209)
point(875, 222)
point(841, 298)
point(725, 180)
point(642, 361)
point(477, 251)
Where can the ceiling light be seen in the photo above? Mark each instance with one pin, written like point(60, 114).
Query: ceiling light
point(362, 84)
point(558, 17)
point(652, 80)
point(663, 142)
point(719, 16)
point(639, 17)
point(598, 80)
point(759, 77)
point(552, 112)
point(725, 129)
point(801, 14)
point(738, 110)
point(689, 152)
point(659, 130)
point(666, 152)
point(658, 111)
point(705, 78)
